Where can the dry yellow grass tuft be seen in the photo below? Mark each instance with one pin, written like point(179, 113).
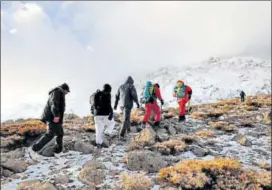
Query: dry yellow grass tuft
point(136, 181)
point(32, 127)
point(218, 124)
point(205, 133)
point(222, 125)
point(220, 172)
point(172, 144)
point(28, 127)
point(264, 165)
point(198, 115)
point(258, 178)
point(190, 172)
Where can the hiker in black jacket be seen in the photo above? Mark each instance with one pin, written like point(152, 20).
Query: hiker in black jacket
point(127, 94)
point(53, 115)
point(242, 95)
point(103, 113)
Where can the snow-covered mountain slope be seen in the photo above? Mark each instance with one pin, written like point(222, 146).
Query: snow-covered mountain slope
point(214, 79)
point(210, 80)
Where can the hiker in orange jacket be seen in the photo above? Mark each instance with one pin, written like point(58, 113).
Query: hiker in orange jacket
point(183, 94)
point(151, 94)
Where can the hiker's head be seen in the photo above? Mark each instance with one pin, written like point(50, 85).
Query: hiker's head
point(107, 88)
point(157, 85)
point(148, 84)
point(129, 80)
point(65, 88)
point(180, 83)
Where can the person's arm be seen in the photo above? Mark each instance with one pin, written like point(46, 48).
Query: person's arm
point(174, 92)
point(189, 91)
point(55, 103)
point(110, 108)
point(158, 93)
point(134, 95)
point(117, 97)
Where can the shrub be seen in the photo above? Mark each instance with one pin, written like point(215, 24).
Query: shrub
point(33, 127)
point(192, 173)
point(171, 144)
point(205, 133)
point(198, 115)
point(224, 126)
point(136, 181)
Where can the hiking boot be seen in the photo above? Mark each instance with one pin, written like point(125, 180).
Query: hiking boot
point(33, 154)
point(99, 146)
point(139, 129)
point(122, 138)
point(182, 118)
point(157, 124)
point(143, 125)
point(58, 149)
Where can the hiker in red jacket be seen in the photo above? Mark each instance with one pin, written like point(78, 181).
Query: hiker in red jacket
point(151, 94)
point(183, 94)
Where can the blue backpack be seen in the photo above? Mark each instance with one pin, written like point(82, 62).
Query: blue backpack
point(148, 93)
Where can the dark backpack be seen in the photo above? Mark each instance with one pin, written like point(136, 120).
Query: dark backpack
point(94, 100)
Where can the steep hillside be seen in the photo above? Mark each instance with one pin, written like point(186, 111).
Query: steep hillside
point(222, 145)
point(215, 79)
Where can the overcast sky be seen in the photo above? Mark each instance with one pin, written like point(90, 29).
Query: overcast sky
point(89, 43)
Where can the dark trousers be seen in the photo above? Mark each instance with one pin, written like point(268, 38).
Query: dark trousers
point(54, 129)
point(242, 98)
point(126, 121)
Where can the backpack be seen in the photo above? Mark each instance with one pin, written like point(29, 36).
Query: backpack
point(148, 95)
point(180, 90)
point(94, 100)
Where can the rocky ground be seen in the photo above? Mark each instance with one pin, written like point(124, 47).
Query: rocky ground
point(223, 145)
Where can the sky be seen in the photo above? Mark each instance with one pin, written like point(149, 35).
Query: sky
point(87, 44)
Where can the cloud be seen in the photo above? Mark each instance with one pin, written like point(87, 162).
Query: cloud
point(13, 31)
point(87, 44)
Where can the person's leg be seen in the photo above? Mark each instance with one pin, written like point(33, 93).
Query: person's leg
point(157, 111)
point(181, 110)
point(99, 128)
point(59, 139)
point(110, 125)
point(123, 127)
point(45, 139)
point(148, 109)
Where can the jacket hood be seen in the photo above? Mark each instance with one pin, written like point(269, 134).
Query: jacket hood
point(129, 80)
point(54, 89)
point(148, 84)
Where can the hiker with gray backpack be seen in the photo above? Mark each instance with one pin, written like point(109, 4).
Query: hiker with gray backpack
point(103, 113)
point(127, 94)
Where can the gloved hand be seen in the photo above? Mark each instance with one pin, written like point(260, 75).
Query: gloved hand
point(138, 105)
point(115, 107)
point(110, 117)
point(162, 102)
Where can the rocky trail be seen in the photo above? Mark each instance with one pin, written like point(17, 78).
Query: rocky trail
point(225, 145)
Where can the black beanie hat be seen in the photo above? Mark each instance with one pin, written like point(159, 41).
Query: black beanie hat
point(107, 88)
point(65, 86)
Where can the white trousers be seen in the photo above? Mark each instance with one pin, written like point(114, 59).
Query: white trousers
point(100, 123)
